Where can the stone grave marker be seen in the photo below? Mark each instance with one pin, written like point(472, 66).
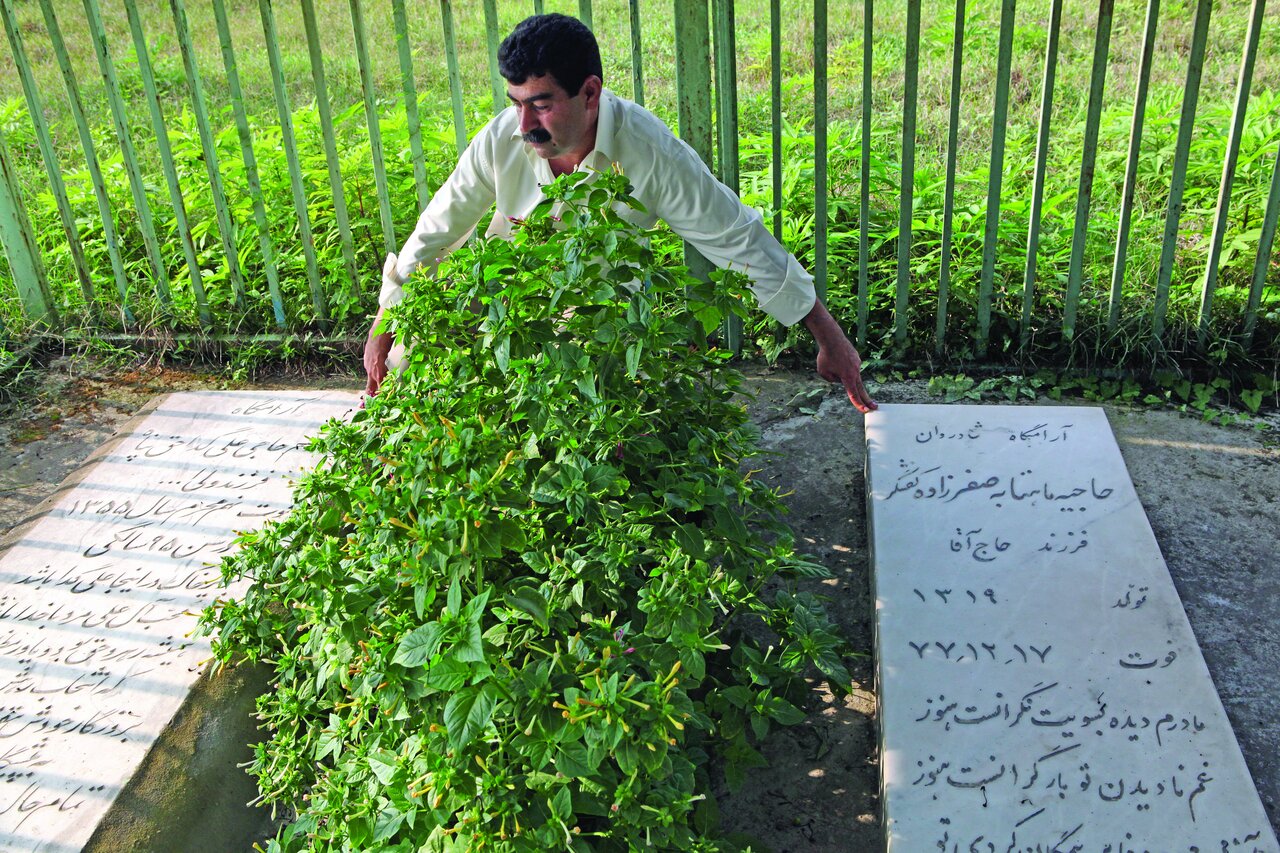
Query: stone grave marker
point(99, 593)
point(1040, 686)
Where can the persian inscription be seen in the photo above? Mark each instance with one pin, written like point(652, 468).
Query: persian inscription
point(1041, 689)
point(98, 597)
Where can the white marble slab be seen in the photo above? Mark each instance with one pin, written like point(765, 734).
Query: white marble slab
point(1040, 686)
point(99, 593)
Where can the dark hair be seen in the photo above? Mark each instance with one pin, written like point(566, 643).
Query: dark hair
point(550, 44)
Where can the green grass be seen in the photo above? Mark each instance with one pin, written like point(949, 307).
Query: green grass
point(1129, 344)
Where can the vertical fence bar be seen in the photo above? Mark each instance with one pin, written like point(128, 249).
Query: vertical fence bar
point(491, 42)
point(949, 194)
point(908, 180)
point(167, 165)
point(340, 215)
point(1265, 240)
point(209, 146)
point(1042, 151)
point(375, 132)
point(290, 144)
point(1178, 180)
point(584, 12)
point(413, 121)
point(775, 103)
point(35, 109)
point(19, 244)
point(864, 204)
point(693, 76)
point(455, 78)
point(820, 147)
point(1042, 158)
point(537, 7)
point(775, 138)
point(637, 55)
point(727, 127)
point(265, 246)
point(1088, 166)
point(109, 234)
point(1131, 164)
point(146, 221)
point(995, 176)
point(1210, 281)
point(693, 91)
point(726, 88)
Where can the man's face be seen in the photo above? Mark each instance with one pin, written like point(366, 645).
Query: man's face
point(554, 123)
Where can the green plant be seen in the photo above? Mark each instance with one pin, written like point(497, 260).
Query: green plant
point(247, 361)
point(530, 600)
point(961, 387)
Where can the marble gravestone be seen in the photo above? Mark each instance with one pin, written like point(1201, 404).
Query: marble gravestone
point(99, 594)
point(1040, 686)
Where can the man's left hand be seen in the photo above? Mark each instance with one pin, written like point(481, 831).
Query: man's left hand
point(838, 360)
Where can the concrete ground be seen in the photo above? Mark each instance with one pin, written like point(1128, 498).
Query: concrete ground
point(1212, 494)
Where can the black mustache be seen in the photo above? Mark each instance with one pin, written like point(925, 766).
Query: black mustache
point(537, 136)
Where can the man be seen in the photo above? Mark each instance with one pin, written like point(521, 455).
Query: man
point(561, 119)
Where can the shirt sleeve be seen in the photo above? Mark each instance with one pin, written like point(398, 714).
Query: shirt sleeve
point(449, 218)
point(731, 235)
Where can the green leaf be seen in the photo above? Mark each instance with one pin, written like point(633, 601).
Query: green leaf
point(454, 601)
point(474, 610)
point(809, 569)
point(330, 519)
point(446, 676)
point(528, 600)
point(707, 315)
point(423, 596)
point(419, 645)
point(359, 830)
point(782, 711)
point(502, 353)
point(690, 540)
point(587, 387)
point(470, 649)
point(1252, 400)
point(387, 823)
point(562, 804)
point(729, 524)
point(739, 695)
point(573, 759)
point(599, 477)
point(468, 712)
point(494, 536)
point(329, 743)
point(627, 756)
point(740, 756)
point(383, 764)
point(832, 667)
point(633, 359)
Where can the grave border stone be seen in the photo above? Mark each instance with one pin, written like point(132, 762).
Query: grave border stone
point(187, 792)
point(882, 452)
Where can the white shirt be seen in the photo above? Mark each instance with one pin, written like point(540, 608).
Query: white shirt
point(667, 176)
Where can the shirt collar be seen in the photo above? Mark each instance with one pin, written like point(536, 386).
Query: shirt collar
point(605, 127)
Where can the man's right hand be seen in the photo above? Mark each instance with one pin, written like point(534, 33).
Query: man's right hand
point(376, 348)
